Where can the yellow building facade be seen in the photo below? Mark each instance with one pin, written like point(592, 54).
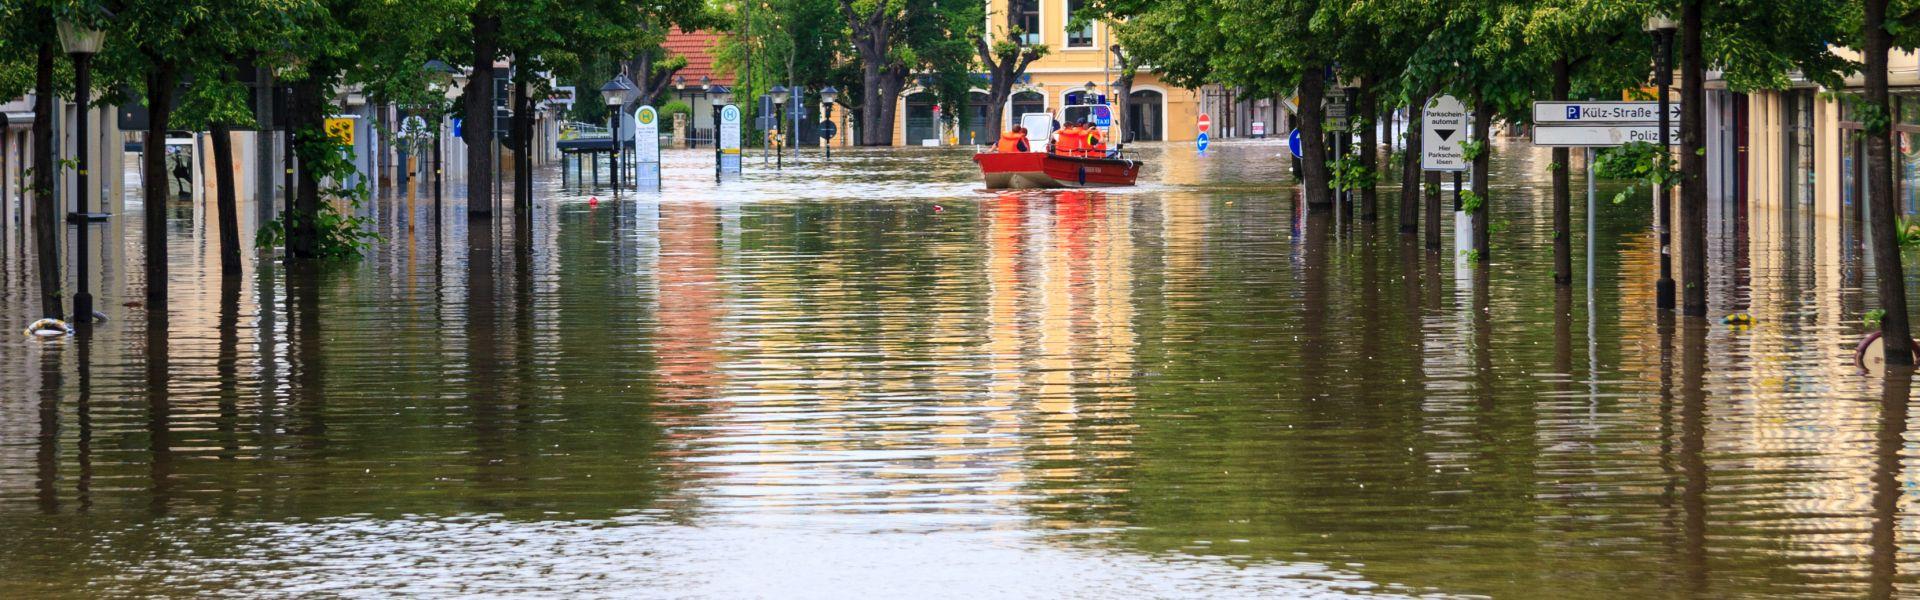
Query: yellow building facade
point(1156, 111)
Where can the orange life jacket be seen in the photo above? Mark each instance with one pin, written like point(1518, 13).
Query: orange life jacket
point(1072, 142)
point(1012, 141)
point(1096, 147)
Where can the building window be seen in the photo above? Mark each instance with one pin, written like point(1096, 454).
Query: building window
point(1081, 37)
point(1026, 18)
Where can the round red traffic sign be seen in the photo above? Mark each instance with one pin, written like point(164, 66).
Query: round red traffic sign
point(1206, 123)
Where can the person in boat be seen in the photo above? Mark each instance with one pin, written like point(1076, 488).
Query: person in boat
point(1013, 141)
point(1096, 147)
point(1072, 141)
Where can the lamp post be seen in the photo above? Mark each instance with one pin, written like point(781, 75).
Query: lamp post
point(617, 93)
point(1662, 29)
point(779, 95)
point(706, 84)
point(718, 95)
point(82, 41)
point(827, 96)
point(680, 89)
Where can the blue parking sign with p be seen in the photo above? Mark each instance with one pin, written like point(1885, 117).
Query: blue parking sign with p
point(1573, 112)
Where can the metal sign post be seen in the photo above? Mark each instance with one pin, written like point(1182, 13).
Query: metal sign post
point(1206, 124)
point(730, 140)
point(646, 147)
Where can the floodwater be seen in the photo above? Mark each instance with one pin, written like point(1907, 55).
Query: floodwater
point(870, 378)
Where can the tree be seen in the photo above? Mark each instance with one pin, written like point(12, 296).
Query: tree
point(1263, 47)
point(1128, 66)
point(1876, 40)
point(873, 24)
point(1585, 41)
point(795, 43)
point(1005, 58)
point(162, 39)
point(28, 53)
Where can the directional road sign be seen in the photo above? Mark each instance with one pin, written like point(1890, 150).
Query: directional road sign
point(1293, 143)
point(1578, 112)
point(1201, 141)
point(1600, 135)
point(1443, 125)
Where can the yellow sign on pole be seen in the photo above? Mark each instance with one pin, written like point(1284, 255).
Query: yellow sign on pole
point(341, 130)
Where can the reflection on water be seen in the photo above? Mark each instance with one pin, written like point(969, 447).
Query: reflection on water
point(869, 377)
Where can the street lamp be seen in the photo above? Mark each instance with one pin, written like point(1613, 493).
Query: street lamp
point(82, 41)
point(779, 95)
point(1089, 89)
point(1662, 28)
point(617, 93)
point(719, 95)
point(827, 96)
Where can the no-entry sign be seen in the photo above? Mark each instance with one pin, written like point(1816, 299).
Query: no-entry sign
point(1443, 125)
point(1206, 123)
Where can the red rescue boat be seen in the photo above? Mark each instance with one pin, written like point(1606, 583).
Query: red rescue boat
point(1004, 170)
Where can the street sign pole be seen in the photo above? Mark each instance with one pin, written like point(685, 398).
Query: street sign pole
point(1205, 123)
point(646, 146)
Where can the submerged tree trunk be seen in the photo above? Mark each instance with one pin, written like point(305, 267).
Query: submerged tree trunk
point(156, 191)
point(1122, 100)
point(1369, 153)
point(1410, 170)
point(1482, 216)
point(523, 149)
point(1313, 138)
point(1693, 164)
point(870, 130)
point(478, 125)
point(891, 84)
point(1888, 272)
point(1562, 223)
point(225, 200)
point(306, 118)
point(46, 204)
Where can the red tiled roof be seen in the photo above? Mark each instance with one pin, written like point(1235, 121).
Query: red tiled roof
point(697, 46)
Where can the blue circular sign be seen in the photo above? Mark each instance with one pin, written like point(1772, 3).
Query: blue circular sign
point(1293, 143)
point(1202, 141)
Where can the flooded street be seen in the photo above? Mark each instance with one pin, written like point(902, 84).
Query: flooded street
point(872, 378)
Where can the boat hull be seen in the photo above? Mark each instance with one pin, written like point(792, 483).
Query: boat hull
point(1018, 170)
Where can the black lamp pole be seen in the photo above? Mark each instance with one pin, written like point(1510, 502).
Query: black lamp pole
point(717, 97)
point(1663, 75)
point(82, 83)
